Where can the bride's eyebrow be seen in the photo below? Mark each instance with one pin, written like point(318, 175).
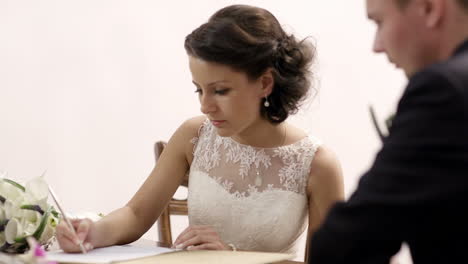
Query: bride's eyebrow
point(212, 83)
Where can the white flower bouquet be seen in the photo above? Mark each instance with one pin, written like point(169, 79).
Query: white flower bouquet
point(24, 212)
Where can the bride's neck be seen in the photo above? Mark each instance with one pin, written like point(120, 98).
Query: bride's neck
point(263, 135)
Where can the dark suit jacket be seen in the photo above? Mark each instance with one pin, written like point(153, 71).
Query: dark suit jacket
point(417, 189)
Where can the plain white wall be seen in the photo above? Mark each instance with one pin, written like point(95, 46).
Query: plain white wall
point(86, 87)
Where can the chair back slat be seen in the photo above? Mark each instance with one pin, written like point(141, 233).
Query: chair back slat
point(174, 207)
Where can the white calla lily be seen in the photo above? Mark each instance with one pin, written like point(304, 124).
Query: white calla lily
point(13, 230)
point(38, 188)
point(2, 238)
point(9, 209)
point(24, 212)
point(49, 229)
point(10, 191)
point(30, 215)
point(29, 227)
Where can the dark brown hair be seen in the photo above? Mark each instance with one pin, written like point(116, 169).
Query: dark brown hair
point(251, 40)
point(464, 4)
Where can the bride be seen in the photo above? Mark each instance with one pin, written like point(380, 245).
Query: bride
point(256, 182)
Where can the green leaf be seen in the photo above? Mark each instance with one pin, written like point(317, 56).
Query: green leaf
point(40, 229)
point(3, 223)
point(17, 185)
point(54, 213)
point(33, 207)
point(21, 239)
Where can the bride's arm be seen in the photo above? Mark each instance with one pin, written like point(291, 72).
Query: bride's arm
point(324, 188)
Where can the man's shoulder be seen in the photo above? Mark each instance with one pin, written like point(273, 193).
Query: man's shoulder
point(453, 70)
point(444, 78)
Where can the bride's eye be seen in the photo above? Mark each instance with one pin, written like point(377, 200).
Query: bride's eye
point(222, 91)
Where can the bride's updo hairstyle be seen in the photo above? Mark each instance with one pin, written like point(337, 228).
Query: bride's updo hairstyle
point(251, 40)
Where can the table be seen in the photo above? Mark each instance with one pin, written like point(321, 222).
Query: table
point(152, 260)
point(160, 244)
point(205, 257)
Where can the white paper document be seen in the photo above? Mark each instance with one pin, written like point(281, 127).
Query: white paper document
point(107, 254)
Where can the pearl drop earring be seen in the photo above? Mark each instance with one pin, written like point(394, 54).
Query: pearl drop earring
point(266, 103)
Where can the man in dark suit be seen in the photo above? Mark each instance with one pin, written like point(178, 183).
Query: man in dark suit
point(417, 189)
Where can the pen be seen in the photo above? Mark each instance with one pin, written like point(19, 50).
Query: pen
point(70, 226)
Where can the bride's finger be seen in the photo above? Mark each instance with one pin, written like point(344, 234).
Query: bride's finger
point(187, 234)
point(207, 246)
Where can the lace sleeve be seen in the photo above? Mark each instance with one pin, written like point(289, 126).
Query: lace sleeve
point(316, 144)
point(194, 140)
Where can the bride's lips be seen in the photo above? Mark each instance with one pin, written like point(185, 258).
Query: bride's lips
point(217, 123)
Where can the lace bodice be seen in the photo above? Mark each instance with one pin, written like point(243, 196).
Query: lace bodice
point(255, 198)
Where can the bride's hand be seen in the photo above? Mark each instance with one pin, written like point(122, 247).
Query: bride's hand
point(200, 237)
point(69, 241)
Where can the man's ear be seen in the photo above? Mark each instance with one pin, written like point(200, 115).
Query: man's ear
point(434, 11)
point(267, 81)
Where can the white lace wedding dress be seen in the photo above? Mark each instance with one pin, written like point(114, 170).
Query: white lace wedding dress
point(255, 198)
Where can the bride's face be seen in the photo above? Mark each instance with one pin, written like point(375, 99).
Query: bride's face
point(227, 97)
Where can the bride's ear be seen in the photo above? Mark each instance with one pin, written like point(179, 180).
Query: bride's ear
point(267, 82)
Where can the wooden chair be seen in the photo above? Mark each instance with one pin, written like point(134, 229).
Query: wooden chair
point(174, 207)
